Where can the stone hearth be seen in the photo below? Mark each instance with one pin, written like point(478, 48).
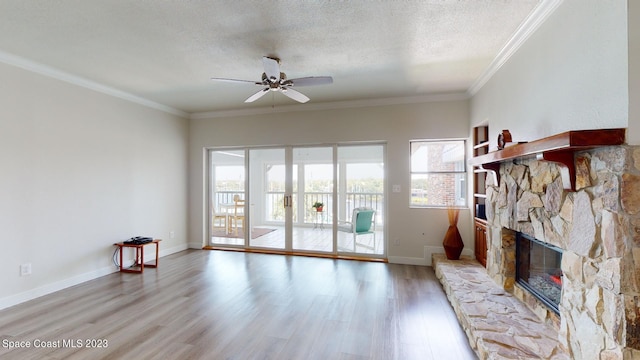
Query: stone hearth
point(597, 226)
point(498, 325)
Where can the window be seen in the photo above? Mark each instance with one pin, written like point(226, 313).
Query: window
point(438, 173)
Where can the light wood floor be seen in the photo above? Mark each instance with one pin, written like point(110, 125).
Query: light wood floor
point(232, 305)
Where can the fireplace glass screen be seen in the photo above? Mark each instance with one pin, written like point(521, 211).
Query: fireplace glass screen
point(538, 269)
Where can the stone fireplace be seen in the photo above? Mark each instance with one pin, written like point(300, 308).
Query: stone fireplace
point(597, 228)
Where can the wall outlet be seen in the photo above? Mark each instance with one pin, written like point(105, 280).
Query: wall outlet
point(396, 242)
point(25, 269)
point(172, 234)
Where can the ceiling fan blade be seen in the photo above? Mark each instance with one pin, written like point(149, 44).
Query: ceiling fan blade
point(310, 81)
point(295, 95)
point(257, 95)
point(236, 81)
point(271, 68)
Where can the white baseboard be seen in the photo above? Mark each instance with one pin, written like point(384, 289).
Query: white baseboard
point(430, 250)
point(53, 287)
point(72, 281)
point(173, 250)
point(406, 260)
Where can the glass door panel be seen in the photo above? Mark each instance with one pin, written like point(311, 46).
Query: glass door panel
point(312, 226)
point(226, 182)
point(267, 188)
point(361, 184)
point(264, 198)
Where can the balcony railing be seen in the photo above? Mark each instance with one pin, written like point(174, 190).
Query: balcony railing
point(226, 197)
point(274, 211)
point(352, 200)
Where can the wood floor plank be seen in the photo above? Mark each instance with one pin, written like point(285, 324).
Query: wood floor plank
point(233, 305)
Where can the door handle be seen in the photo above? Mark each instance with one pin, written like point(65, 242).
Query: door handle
point(287, 201)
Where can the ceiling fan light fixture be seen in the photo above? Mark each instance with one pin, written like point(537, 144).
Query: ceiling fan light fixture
point(271, 82)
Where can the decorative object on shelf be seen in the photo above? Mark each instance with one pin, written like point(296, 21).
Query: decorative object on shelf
point(503, 138)
point(452, 242)
point(558, 148)
point(318, 206)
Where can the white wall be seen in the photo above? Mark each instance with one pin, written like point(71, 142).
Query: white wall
point(393, 124)
point(81, 170)
point(633, 16)
point(570, 74)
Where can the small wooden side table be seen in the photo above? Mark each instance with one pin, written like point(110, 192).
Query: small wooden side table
point(139, 255)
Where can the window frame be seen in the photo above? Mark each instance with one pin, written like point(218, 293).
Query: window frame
point(462, 187)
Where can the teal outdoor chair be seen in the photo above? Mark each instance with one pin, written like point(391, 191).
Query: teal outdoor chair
point(362, 222)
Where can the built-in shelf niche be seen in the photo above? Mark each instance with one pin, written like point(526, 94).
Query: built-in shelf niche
point(480, 148)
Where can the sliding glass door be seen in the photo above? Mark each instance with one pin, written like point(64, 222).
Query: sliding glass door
point(361, 200)
point(267, 190)
point(313, 199)
point(307, 199)
point(226, 185)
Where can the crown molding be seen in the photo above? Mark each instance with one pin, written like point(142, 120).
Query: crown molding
point(331, 105)
point(537, 17)
point(54, 73)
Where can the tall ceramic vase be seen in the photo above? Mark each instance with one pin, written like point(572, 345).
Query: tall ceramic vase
point(452, 242)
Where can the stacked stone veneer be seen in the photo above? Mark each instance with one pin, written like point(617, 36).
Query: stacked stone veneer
point(597, 226)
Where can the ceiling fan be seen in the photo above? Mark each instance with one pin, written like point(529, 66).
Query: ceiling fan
point(274, 80)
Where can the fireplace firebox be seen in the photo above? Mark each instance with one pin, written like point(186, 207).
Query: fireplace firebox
point(538, 269)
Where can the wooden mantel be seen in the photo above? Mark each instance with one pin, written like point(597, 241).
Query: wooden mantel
point(557, 148)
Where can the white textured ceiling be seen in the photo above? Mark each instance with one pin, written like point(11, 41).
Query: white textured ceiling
point(167, 51)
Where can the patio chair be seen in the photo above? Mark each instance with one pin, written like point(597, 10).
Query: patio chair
point(238, 213)
point(219, 218)
point(362, 222)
